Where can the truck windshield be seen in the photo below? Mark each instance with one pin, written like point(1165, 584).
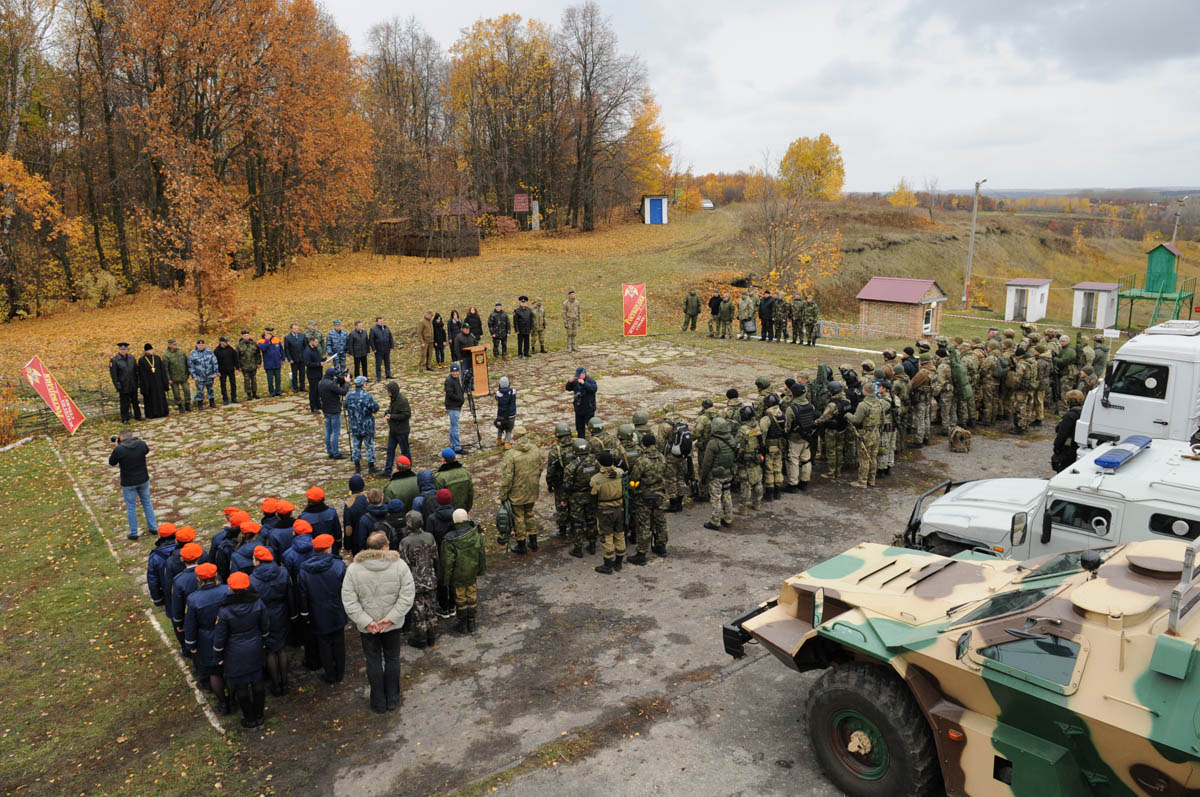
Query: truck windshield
point(1007, 603)
point(1139, 379)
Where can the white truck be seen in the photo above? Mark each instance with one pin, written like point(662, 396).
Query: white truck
point(1097, 502)
point(1151, 386)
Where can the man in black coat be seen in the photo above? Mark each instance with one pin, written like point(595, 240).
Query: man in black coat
point(523, 321)
point(766, 317)
point(122, 369)
point(382, 343)
point(152, 378)
point(294, 344)
point(359, 346)
point(584, 402)
point(458, 347)
point(498, 327)
point(227, 368)
point(331, 389)
point(313, 361)
point(714, 308)
point(130, 456)
point(455, 395)
point(1066, 450)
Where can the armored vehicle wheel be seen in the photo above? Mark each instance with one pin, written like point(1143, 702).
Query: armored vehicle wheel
point(869, 735)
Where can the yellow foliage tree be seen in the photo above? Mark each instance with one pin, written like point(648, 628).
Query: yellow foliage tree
point(812, 168)
point(796, 245)
point(645, 150)
point(902, 196)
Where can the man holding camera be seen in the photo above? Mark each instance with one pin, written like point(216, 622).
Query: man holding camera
point(331, 390)
point(130, 455)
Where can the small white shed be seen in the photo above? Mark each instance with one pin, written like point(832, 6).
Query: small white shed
point(1025, 299)
point(1095, 305)
point(654, 208)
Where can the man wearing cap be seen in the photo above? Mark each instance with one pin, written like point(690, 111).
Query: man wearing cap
point(523, 323)
point(312, 333)
point(498, 327)
point(227, 370)
point(520, 484)
point(358, 343)
point(202, 365)
point(122, 369)
point(241, 631)
point(320, 590)
point(129, 454)
point(377, 592)
point(403, 483)
point(183, 585)
point(425, 339)
point(336, 344)
point(163, 548)
point(398, 416)
point(455, 395)
point(572, 315)
point(271, 348)
point(294, 344)
point(455, 478)
point(361, 408)
point(608, 491)
point(332, 387)
point(242, 558)
point(463, 561)
point(271, 583)
point(584, 400)
point(200, 621)
point(175, 361)
point(249, 359)
point(539, 326)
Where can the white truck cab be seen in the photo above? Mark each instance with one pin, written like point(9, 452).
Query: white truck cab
point(1142, 489)
point(1151, 387)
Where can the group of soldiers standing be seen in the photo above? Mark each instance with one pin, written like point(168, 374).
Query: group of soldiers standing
point(773, 311)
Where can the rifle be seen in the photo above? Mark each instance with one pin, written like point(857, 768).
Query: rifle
point(693, 482)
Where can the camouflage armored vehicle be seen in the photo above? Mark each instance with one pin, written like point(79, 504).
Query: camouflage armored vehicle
point(1071, 674)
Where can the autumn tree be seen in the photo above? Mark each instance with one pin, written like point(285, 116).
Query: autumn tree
point(931, 194)
point(902, 196)
point(812, 169)
point(790, 238)
point(645, 149)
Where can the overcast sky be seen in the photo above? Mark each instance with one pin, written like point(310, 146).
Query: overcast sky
point(1027, 93)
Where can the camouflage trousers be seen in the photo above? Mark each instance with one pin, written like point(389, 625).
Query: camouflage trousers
point(184, 389)
point(611, 522)
point(799, 461)
point(750, 486)
point(250, 382)
point(1022, 408)
point(773, 467)
point(810, 333)
point(1039, 405)
point(537, 339)
point(583, 519)
point(797, 330)
point(989, 402)
point(966, 411)
point(465, 597)
point(562, 514)
point(675, 476)
point(571, 332)
point(868, 455)
point(922, 418)
point(720, 500)
point(1065, 382)
point(887, 448)
point(524, 522)
point(421, 618)
point(781, 325)
point(650, 524)
point(712, 325)
point(949, 409)
point(849, 449)
point(725, 329)
point(834, 442)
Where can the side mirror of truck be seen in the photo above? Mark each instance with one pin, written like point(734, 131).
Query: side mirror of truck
point(1018, 530)
point(1046, 526)
point(1100, 526)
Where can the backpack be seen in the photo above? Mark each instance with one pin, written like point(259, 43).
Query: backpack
point(960, 440)
point(504, 521)
point(838, 421)
point(1030, 380)
point(802, 419)
point(725, 458)
point(681, 442)
point(1012, 380)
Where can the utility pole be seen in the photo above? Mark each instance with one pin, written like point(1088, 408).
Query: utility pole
point(971, 247)
point(1178, 211)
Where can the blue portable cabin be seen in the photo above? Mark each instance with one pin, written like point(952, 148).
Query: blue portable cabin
point(654, 208)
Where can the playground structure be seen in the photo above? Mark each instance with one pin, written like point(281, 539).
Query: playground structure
point(1161, 284)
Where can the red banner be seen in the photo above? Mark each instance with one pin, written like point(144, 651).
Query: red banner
point(633, 297)
point(52, 393)
point(520, 203)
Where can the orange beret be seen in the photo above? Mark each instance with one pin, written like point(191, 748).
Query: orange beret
point(315, 494)
point(185, 534)
point(301, 526)
point(191, 552)
point(206, 570)
point(238, 518)
point(250, 527)
point(322, 541)
point(229, 510)
point(263, 554)
point(166, 529)
point(238, 581)
point(284, 507)
point(268, 506)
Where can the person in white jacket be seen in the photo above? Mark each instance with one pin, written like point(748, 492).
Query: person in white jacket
point(377, 593)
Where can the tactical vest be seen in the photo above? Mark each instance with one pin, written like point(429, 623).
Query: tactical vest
point(775, 433)
point(803, 417)
point(874, 416)
point(581, 477)
point(838, 421)
point(724, 460)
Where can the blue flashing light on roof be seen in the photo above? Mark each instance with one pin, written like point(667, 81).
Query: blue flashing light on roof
point(1118, 455)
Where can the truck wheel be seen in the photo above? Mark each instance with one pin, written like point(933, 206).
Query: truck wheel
point(869, 735)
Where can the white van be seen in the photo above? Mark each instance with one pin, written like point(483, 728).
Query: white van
point(1151, 386)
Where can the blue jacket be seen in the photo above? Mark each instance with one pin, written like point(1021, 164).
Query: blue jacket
point(203, 605)
point(585, 396)
point(321, 593)
point(428, 496)
point(202, 365)
point(361, 406)
point(159, 555)
point(366, 524)
point(351, 514)
point(324, 520)
point(183, 586)
point(506, 403)
point(243, 558)
point(173, 566)
point(221, 549)
point(272, 352)
point(270, 581)
point(337, 342)
point(298, 554)
point(242, 626)
point(279, 537)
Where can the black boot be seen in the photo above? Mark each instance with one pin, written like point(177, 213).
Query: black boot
point(661, 550)
point(606, 568)
point(260, 707)
point(246, 702)
point(560, 534)
point(520, 549)
point(430, 638)
point(461, 626)
point(591, 547)
point(777, 492)
point(542, 349)
point(417, 641)
point(616, 565)
point(576, 551)
point(676, 504)
point(791, 488)
point(371, 469)
point(471, 619)
point(708, 524)
point(212, 402)
point(638, 558)
point(531, 540)
point(357, 466)
point(803, 486)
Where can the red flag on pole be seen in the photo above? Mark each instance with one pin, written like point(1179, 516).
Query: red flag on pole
point(52, 393)
point(634, 301)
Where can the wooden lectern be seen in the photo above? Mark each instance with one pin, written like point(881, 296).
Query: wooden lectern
point(478, 364)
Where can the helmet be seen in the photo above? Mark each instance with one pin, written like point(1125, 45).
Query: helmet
point(746, 413)
point(771, 400)
point(580, 445)
point(625, 432)
point(1074, 397)
point(640, 417)
point(885, 384)
point(720, 426)
point(595, 425)
point(836, 388)
point(706, 404)
point(731, 393)
point(868, 365)
point(762, 383)
point(562, 430)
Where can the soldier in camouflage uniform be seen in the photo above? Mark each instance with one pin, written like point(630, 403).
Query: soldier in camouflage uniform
point(887, 432)
point(608, 490)
point(1045, 375)
point(832, 424)
point(249, 358)
point(868, 420)
point(312, 333)
point(675, 472)
point(641, 423)
point(733, 406)
point(1022, 395)
point(646, 482)
point(175, 360)
point(725, 317)
point(944, 389)
point(520, 484)
point(800, 420)
point(1064, 370)
point(581, 504)
point(748, 473)
point(1099, 355)
point(557, 459)
point(1007, 347)
point(763, 386)
point(783, 314)
point(717, 465)
point(773, 427)
point(811, 316)
point(989, 384)
point(967, 413)
point(601, 440)
point(920, 396)
point(572, 316)
point(419, 549)
point(901, 395)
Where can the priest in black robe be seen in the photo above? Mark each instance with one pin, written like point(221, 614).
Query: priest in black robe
point(152, 379)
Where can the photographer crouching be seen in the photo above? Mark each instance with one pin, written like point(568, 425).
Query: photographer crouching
point(129, 454)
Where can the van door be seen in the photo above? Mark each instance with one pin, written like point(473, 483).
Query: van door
point(1134, 400)
point(1073, 522)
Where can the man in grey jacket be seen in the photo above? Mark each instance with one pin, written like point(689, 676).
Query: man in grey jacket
point(377, 593)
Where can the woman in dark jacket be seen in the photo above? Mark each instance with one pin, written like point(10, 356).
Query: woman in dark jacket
point(453, 325)
point(439, 338)
point(203, 606)
point(271, 583)
point(242, 559)
point(474, 323)
point(242, 625)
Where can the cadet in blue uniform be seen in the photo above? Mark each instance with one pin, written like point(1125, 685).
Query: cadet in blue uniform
point(243, 558)
point(321, 603)
point(225, 542)
point(202, 608)
point(173, 565)
point(279, 538)
point(270, 581)
point(242, 626)
point(159, 554)
point(184, 585)
point(322, 518)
